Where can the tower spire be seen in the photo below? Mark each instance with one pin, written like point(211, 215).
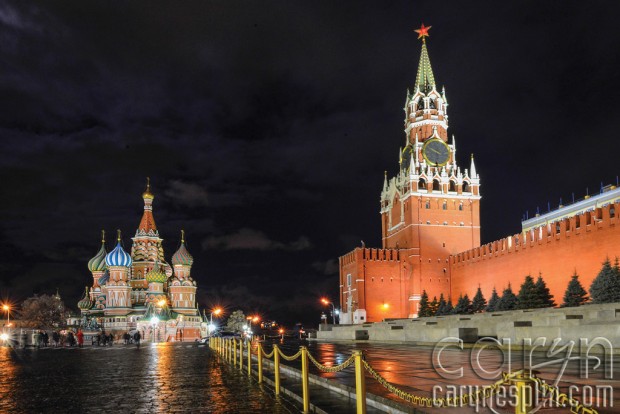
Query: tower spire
point(147, 224)
point(425, 80)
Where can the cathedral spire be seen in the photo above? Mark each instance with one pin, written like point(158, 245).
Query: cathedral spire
point(147, 224)
point(425, 80)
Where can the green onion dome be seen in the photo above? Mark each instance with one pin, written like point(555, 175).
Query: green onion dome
point(182, 256)
point(97, 263)
point(156, 275)
point(85, 303)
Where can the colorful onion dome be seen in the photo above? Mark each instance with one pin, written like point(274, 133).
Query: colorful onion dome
point(85, 302)
point(156, 275)
point(182, 256)
point(104, 278)
point(97, 263)
point(118, 256)
point(147, 193)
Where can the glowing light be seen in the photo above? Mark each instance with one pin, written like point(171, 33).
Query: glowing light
point(217, 311)
point(4, 337)
point(161, 303)
point(154, 320)
point(386, 306)
point(6, 308)
point(255, 319)
point(325, 301)
point(281, 331)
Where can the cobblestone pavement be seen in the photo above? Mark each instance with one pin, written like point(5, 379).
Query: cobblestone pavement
point(162, 378)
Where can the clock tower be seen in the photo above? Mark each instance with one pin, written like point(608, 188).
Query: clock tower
point(430, 209)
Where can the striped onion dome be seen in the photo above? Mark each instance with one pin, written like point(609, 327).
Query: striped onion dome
point(104, 278)
point(85, 302)
point(182, 256)
point(97, 263)
point(118, 256)
point(156, 275)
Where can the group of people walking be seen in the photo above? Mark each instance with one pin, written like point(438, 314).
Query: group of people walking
point(41, 338)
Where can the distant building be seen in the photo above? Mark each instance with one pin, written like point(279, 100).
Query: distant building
point(141, 290)
point(430, 219)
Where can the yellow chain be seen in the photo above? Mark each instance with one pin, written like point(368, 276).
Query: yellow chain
point(336, 368)
point(562, 399)
point(484, 392)
point(267, 355)
point(289, 358)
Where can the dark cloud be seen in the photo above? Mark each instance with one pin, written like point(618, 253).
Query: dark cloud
point(266, 128)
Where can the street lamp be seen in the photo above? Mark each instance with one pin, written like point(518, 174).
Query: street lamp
point(215, 311)
point(327, 302)
point(154, 323)
point(7, 309)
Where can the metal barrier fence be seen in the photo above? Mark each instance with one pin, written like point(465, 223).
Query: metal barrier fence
point(232, 351)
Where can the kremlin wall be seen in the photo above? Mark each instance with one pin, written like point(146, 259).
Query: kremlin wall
point(430, 221)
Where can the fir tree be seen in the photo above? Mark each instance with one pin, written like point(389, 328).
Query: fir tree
point(546, 298)
point(508, 301)
point(424, 306)
point(479, 303)
point(606, 286)
point(575, 294)
point(433, 306)
point(441, 309)
point(529, 297)
point(493, 302)
point(449, 308)
point(463, 306)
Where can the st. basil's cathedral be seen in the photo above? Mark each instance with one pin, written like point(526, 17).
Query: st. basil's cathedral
point(140, 290)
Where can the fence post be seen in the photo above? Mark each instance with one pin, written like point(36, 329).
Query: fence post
point(249, 359)
point(234, 349)
point(241, 354)
point(259, 354)
point(276, 367)
point(360, 383)
point(304, 379)
point(523, 383)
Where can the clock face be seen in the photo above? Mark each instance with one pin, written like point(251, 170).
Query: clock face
point(436, 152)
point(405, 157)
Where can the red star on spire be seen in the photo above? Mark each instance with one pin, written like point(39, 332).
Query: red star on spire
point(423, 32)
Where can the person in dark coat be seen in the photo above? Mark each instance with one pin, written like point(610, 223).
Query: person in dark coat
point(80, 339)
point(136, 338)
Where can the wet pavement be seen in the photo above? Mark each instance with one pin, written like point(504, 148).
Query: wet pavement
point(163, 378)
point(411, 368)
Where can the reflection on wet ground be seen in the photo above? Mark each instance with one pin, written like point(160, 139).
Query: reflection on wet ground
point(159, 378)
point(411, 368)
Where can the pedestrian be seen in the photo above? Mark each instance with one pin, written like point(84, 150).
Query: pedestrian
point(46, 339)
point(71, 339)
point(136, 338)
point(80, 339)
point(55, 338)
point(111, 339)
point(126, 338)
point(181, 335)
point(39, 339)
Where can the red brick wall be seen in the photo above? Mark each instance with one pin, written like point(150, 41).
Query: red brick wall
point(556, 256)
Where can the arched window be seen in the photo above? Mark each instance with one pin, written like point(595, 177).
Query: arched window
point(436, 185)
point(420, 104)
point(431, 104)
point(466, 188)
point(422, 184)
point(452, 186)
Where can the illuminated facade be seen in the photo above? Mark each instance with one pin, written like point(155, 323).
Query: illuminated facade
point(430, 219)
point(140, 290)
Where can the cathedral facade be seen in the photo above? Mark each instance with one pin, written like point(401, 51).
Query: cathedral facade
point(140, 290)
point(430, 220)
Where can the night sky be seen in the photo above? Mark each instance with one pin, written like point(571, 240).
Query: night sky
point(266, 127)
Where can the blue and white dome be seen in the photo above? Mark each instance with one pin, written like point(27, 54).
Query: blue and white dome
point(118, 256)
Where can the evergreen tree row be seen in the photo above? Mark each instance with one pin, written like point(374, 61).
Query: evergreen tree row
point(604, 289)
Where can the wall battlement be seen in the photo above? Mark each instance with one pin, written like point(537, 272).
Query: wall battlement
point(553, 232)
point(375, 255)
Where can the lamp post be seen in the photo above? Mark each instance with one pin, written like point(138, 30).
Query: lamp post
point(7, 309)
point(327, 302)
point(215, 311)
